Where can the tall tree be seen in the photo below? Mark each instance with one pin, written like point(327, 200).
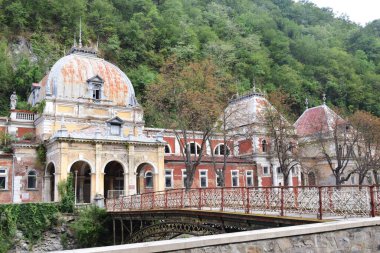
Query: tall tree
point(228, 126)
point(337, 141)
point(281, 133)
point(188, 98)
point(366, 153)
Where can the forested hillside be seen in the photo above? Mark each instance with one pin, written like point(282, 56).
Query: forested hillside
point(296, 46)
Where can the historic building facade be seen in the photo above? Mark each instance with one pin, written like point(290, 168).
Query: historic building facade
point(90, 125)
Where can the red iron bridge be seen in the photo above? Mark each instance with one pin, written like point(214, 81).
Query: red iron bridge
point(315, 202)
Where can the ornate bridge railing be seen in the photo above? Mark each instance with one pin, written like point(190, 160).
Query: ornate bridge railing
point(311, 201)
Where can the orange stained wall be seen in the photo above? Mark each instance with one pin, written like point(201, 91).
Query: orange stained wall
point(21, 131)
point(171, 143)
point(245, 147)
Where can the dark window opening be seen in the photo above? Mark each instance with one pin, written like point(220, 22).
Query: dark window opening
point(96, 93)
point(32, 180)
point(149, 180)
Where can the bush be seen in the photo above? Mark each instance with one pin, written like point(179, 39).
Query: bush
point(41, 154)
point(66, 192)
point(32, 219)
point(28, 136)
point(90, 228)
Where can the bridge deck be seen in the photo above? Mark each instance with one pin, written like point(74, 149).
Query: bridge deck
point(302, 202)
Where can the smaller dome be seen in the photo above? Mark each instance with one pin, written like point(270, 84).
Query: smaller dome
point(316, 120)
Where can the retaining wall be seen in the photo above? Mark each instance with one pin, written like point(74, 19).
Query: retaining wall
point(359, 235)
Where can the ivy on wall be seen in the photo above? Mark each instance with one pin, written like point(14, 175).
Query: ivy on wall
point(41, 154)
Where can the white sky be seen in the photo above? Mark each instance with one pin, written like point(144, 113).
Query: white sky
point(358, 11)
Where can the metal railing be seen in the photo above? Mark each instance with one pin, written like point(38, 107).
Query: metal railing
point(321, 202)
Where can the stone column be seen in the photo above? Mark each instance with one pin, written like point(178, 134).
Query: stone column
point(160, 181)
point(98, 183)
point(290, 178)
point(80, 186)
point(57, 177)
point(131, 182)
point(101, 182)
point(46, 190)
point(275, 176)
point(93, 186)
point(126, 177)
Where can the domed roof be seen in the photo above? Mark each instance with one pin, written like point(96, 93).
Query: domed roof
point(319, 119)
point(72, 77)
point(246, 109)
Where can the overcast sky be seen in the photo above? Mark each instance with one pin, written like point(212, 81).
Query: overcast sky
point(359, 11)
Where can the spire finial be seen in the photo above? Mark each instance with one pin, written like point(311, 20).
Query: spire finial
point(75, 40)
point(80, 32)
point(97, 44)
point(324, 98)
point(307, 103)
point(254, 85)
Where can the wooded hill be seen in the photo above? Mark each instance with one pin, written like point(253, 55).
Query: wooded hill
point(298, 47)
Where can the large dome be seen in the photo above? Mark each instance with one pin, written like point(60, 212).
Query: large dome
point(71, 77)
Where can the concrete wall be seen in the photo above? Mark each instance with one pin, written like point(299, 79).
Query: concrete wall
point(359, 235)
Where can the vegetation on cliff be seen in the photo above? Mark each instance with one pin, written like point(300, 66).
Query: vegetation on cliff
point(302, 49)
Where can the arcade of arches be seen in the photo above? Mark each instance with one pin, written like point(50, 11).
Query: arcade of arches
point(102, 169)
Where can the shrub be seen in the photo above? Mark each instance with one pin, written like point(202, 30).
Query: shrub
point(66, 192)
point(41, 154)
point(32, 219)
point(28, 136)
point(90, 228)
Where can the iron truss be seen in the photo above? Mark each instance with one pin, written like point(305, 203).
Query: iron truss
point(169, 230)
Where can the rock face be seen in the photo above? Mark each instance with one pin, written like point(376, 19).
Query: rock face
point(58, 238)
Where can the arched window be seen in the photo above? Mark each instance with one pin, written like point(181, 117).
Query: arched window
point(148, 179)
point(194, 148)
point(264, 145)
point(222, 149)
point(32, 180)
point(167, 149)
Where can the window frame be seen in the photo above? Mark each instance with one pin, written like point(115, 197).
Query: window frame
point(268, 171)
point(171, 179)
point(97, 92)
point(217, 179)
point(203, 176)
point(264, 146)
point(217, 149)
point(112, 126)
point(5, 175)
point(169, 148)
point(232, 178)
point(188, 145)
point(183, 177)
point(28, 180)
point(145, 179)
point(249, 176)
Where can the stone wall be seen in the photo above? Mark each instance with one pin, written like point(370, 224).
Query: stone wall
point(359, 240)
point(359, 235)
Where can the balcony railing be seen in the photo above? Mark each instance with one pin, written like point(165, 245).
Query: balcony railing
point(29, 116)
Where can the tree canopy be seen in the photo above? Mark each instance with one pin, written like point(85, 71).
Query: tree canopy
point(295, 46)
